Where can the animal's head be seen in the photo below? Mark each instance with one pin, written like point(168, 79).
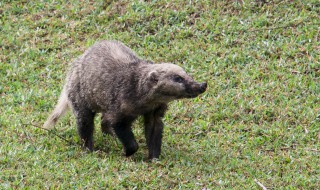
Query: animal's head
point(171, 82)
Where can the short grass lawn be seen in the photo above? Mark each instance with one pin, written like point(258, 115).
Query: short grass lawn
point(257, 126)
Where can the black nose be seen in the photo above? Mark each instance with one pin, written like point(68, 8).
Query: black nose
point(203, 87)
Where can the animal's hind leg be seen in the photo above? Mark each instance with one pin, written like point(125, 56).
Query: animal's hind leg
point(85, 123)
point(106, 127)
point(123, 131)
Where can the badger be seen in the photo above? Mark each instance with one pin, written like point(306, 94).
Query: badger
point(109, 78)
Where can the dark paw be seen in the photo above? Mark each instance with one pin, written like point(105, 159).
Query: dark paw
point(105, 129)
point(87, 145)
point(108, 131)
point(131, 149)
point(153, 156)
point(88, 148)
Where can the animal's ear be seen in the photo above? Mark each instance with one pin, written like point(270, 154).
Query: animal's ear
point(153, 77)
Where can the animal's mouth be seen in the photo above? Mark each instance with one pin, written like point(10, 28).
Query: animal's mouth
point(174, 96)
point(192, 95)
point(196, 90)
point(191, 91)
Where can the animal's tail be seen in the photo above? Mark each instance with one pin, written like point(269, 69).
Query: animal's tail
point(60, 109)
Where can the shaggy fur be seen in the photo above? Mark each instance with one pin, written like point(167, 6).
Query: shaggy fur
point(109, 78)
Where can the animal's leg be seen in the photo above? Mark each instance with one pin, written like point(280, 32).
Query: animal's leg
point(123, 131)
point(106, 127)
point(85, 124)
point(153, 131)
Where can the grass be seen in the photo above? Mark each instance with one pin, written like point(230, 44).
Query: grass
point(259, 119)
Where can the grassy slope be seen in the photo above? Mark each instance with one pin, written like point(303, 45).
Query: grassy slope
point(258, 119)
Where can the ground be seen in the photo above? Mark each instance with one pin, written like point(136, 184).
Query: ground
point(259, 120)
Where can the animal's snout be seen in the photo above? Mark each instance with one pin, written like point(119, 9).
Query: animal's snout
point(195, 89)
point(203, 87)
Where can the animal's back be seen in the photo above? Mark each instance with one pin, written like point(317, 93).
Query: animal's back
point(96, 74)
point(115, 51)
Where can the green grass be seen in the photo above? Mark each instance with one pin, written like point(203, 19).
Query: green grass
point(259, 119)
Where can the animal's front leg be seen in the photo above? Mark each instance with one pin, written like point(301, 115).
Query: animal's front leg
point(124, 133)
point(153, 131)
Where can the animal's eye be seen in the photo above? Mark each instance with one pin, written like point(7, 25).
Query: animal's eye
point(177, 78)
